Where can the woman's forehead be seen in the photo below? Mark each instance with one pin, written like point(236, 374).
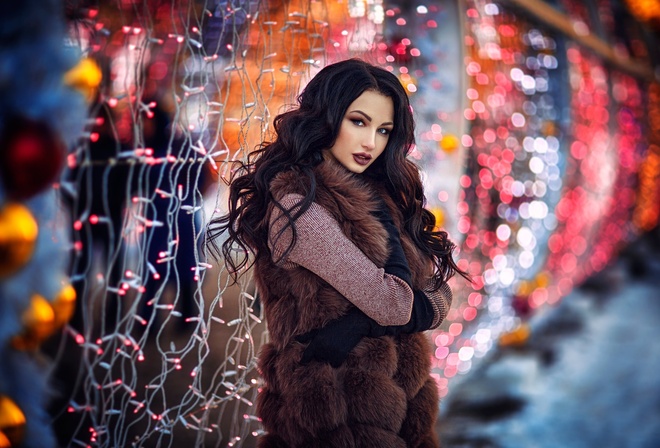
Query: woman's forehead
point(379, 108)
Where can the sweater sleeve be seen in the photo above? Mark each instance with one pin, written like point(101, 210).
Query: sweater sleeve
point(440, 301)
point(322, 248)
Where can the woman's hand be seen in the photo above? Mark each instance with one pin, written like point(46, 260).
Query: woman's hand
point(421, 319)
point(333, 342)
point(396, 263)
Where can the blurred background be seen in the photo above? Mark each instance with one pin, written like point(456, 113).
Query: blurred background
point(538, 136)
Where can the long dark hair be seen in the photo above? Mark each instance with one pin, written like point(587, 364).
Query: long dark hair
point(302, 134)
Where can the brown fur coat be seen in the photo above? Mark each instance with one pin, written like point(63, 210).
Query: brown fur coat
point(383, 395)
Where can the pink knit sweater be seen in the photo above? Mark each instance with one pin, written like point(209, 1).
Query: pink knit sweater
point(322, 248)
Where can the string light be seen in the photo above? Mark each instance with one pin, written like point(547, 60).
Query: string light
point(222, 100)
point(537, 207)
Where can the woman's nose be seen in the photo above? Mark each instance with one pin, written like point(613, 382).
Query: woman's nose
point(369, 141)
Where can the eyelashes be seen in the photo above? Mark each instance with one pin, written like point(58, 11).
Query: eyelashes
point(360, 122)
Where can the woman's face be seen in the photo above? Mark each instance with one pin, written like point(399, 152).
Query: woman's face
point(364, 132)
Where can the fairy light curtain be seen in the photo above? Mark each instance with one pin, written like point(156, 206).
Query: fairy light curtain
point(560, 169)
point(162, 351)
point(513, 175)
point(606, 148)
point(524, 153)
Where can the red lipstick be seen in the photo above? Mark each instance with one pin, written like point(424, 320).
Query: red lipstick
point(362, 158)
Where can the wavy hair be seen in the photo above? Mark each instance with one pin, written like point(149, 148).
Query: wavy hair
point(301, 136)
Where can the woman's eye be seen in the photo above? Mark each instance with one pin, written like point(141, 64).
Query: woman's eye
point(357, 121)
point(385, 131)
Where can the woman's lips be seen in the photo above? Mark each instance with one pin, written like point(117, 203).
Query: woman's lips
point(362, 159)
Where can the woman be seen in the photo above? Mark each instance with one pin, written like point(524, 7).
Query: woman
point(347, 264)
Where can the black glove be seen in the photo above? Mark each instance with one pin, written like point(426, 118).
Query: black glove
point(396, 264)
point(333, 342)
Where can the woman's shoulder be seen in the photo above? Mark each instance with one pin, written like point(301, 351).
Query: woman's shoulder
point(289, 181)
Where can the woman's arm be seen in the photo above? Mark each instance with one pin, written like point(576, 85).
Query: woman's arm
point(323, 248)
point(440, 302)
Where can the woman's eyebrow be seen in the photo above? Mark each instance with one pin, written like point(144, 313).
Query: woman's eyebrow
point(369, 119)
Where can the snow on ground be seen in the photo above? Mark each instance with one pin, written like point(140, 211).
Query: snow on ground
point(589, 376)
